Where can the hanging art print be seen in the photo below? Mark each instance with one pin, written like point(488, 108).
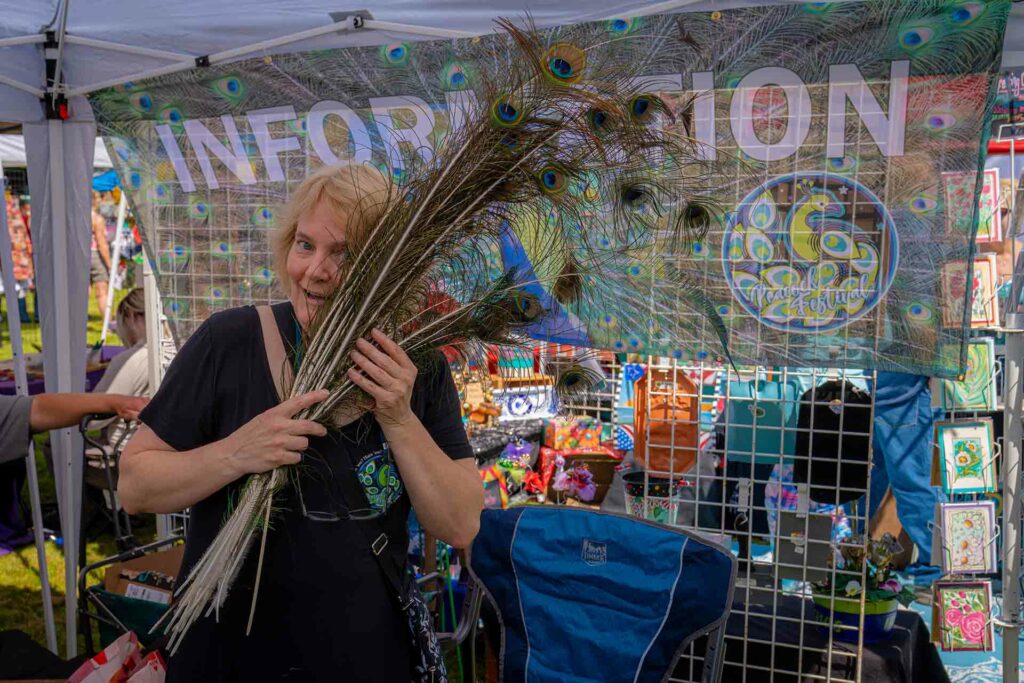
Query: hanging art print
point(968, 537)
point(967, 452)
point(964, 615)
point(839, 158)
point(976, 388)
point(983, 299)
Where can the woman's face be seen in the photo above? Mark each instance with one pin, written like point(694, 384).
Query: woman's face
point(316, 260)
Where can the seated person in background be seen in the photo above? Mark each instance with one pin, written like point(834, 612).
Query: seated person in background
point(128, 372)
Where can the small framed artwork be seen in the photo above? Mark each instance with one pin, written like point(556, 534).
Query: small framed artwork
point(976, 390)
point(967, 454)
point(964, 615)
point(984, 302)
point(990, 226)
point(960, 204)
point(968, 537)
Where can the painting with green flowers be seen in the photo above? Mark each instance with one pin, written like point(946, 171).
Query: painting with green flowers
point(965, 615)
point(968, 457)
point(975, 389)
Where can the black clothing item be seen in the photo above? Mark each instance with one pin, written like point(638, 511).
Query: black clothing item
point(324, 608)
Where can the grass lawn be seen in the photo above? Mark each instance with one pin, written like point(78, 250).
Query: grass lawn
point(20, 592)
point(32, 336)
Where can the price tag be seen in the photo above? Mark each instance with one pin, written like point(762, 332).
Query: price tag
point(140, 592)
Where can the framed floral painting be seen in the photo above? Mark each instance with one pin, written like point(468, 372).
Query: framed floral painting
point(965, 615)
point(984, 302)
point(960, 204)
point(968, 537)
point(967, 454)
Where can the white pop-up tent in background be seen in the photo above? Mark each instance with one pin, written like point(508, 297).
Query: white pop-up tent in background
point(53, 52)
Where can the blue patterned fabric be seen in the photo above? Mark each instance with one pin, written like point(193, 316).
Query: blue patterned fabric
point(590, 596)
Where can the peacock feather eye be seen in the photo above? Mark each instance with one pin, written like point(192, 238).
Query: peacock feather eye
point(198, 209)
point(965, 13)
point(172, 115)
point(506, 112)
point(621, 26)
point(643, 107)
point(395, 54)
point(454, 77)
point(564, 63)
point(600, 121)
point(230, 88)
point(141, 102)
point(552, 179)
point(526, 305)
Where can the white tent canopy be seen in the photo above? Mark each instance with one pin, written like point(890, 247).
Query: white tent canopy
point(12, 153)
point(93, 43)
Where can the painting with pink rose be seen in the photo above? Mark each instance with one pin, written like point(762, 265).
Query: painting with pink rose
point(965, 615)
point(968, 537)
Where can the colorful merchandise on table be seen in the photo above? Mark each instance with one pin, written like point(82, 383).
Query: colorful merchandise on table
point(761, 419)
point(625, 437)
point(667, 420)
point(576, 481)
point(515, 461)
point(572, 432)
point(600, 462)
point(624, 405)
point(652, 497)
point(495, 487)
point(782, 495)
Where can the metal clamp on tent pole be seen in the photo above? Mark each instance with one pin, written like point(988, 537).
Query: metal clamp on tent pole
point(55, 102)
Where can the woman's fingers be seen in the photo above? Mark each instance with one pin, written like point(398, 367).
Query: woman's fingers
point(306, 427)
point(298, 403)
point(366, 384)
point(382, 359)
point(388, 345)
point(377, 373)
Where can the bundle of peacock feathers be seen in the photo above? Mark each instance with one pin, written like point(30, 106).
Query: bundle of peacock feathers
point(570, 163)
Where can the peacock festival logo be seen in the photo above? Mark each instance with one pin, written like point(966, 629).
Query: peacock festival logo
point(810, 252)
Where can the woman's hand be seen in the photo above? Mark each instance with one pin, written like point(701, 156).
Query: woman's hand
point(273, 438)
point(387, 375)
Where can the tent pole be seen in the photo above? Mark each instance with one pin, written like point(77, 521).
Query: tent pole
point(24, 87)
point(126, 49)
point(63, 458)
point(346, 24)
point(115, 259)
point(34, 39)
point(416, 30)
point(21, 385)
point(155, 344)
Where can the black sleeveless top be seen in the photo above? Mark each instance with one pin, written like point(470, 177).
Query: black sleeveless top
point(324, 611)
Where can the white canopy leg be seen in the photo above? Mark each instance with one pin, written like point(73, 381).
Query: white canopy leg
point(21, 382)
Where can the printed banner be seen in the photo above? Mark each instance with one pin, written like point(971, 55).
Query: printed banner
point(843, 140)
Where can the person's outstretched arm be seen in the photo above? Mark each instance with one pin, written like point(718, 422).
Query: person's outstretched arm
point(55, 411)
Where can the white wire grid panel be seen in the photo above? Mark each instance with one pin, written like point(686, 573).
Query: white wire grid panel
point(723, 476)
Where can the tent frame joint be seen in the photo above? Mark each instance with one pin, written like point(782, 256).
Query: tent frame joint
point(203, 62)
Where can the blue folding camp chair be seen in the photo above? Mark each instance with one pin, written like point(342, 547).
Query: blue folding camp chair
point(597, 597)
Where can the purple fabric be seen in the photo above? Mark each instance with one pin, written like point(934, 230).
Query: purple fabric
point(37, 386)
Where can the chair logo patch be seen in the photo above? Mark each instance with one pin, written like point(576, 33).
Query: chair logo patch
point(595, 554)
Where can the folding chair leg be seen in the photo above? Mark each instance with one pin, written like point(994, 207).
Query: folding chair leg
point(714, 655)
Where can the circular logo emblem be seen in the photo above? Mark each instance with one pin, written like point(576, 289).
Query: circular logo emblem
point(810, 252)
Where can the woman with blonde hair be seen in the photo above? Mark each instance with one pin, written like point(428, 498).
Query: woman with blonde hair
point(325, 610)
